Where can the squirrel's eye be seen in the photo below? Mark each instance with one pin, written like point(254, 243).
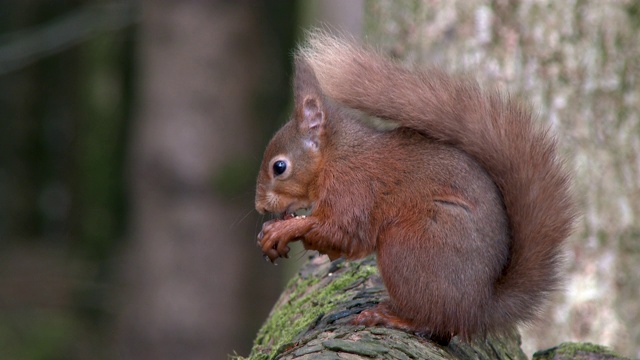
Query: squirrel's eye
point(279, 167)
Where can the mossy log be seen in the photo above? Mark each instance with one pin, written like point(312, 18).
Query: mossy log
point(578, 351)
point(311, 321)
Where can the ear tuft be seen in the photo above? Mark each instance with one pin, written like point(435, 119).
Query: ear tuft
point(312, 122)
point(312, 114)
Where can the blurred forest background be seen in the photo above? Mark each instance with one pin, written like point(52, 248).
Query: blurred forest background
point(131, 132)
point(66, 94)
point(130, 136)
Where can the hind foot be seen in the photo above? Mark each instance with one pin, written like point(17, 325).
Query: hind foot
point(383, 315)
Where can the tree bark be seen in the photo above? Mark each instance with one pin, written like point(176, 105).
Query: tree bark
point(311, 321)
point(577, 64)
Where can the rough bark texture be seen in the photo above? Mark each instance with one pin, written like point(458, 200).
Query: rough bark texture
point(577, 63)
point(310, 321)
point(577, 351)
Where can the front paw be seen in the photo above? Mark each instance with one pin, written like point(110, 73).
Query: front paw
point(272, 241)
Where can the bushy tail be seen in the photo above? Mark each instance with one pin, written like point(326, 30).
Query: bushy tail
point(499, 133)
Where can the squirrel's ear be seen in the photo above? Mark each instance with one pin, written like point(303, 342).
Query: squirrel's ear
point(310, 114)
point(311, 122)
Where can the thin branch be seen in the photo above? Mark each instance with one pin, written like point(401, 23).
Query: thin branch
point(25, 47)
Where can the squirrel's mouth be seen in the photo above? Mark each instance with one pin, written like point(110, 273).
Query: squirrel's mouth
point(297, 213)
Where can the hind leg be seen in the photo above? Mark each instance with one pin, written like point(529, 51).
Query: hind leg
point(438, 275)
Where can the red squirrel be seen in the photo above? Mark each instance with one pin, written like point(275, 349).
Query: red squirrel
point(463, 199)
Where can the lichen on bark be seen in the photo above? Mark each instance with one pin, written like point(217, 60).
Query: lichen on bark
point(311, 321)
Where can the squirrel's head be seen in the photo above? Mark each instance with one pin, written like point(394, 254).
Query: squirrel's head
point(288, 176)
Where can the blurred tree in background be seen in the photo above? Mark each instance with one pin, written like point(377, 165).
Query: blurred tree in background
point(81, 142)
point(577, 63)
point(65, 100)
point(212, 84)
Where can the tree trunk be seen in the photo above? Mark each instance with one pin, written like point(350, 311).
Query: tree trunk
point(311, 321)
point(187, 297)
point(577, 63)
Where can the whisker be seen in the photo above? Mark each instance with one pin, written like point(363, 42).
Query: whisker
point(241, 220)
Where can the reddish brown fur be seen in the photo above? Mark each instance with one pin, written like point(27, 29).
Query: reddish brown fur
point(465, 204)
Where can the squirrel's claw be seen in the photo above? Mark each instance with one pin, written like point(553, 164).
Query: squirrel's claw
point(272, 246)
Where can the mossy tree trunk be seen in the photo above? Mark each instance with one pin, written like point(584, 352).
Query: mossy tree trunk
point(311, 321)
